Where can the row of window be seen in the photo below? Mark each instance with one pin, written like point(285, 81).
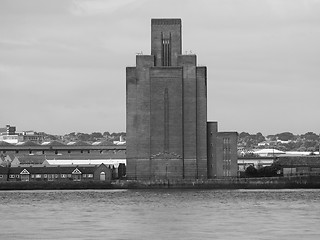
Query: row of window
point(226, 173)
point(49, 176)
point(69, 151)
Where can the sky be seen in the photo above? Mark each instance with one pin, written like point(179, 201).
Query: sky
point(62, 62)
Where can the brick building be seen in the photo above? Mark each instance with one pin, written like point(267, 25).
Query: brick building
point(167, 112)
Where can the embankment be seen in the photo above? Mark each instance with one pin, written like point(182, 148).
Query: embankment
point(236, 183)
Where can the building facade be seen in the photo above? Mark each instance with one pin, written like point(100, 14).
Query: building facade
point(221, 152)
point(166, 109)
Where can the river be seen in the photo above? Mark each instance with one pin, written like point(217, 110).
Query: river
point(160, 214)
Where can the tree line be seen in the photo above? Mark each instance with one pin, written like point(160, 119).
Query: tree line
point(285, 141)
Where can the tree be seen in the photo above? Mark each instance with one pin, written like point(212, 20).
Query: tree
point(96, 135)
point(244, 134)
point(251, 171)
point(311, 136)
point(106, 134)
point(83, 136)
point(285, 136)
point(260, 137)
point(272, 137)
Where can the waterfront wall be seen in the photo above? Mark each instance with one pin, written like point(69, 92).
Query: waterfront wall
point(236, 183)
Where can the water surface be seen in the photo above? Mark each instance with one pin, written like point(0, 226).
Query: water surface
point(160, 214)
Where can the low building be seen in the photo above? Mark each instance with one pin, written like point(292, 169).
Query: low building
point(94, 173)
point(8, 130)
point(13, 139)
point(31, 136)
point(257, 162)
point(299, 165)
point(268, 152)
point(4, 171)
point(221, 152)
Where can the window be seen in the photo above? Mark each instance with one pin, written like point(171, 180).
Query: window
point(69, 176)
point(17, 176)
point(90, 175)
point(11, 176)
point(32, 175)
point(166, 51)
point(38, 175)
point(84, 175)
point(63, 175)
point(1, 176)
point(56, 175)
point(45, 176)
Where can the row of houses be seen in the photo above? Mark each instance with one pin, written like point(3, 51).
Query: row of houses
point(62, 173)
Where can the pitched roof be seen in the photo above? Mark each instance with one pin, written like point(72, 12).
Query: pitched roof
point(102, 143)
point(4, 170)
point(53, 143)
point(31, 159)
point(85, 156)
point(95, 162)
point(79, 143)
point(28, 143)
point(52, 170)
point(268, 150)
point(3, 143)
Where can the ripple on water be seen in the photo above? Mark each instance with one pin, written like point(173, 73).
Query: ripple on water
point(160, 214)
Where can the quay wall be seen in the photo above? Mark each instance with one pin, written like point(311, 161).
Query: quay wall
point(236, 183)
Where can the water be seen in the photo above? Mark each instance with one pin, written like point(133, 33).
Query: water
point(160, 214)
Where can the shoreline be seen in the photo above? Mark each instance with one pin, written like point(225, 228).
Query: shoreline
point(293, 182)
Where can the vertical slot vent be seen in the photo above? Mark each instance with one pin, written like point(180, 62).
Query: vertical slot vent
point(166, 52)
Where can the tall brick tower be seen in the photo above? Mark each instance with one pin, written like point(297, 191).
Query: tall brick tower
point(166, 109)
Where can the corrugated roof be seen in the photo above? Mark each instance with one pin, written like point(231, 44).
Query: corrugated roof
point(265, 151)
point(86, 156)
point(61, 162)
point(102, 143)
point(79, 143)
point(53, 143)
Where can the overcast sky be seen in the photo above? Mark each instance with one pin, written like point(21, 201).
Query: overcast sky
point(62, 62)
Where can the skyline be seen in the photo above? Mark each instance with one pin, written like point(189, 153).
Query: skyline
point(62, 63)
